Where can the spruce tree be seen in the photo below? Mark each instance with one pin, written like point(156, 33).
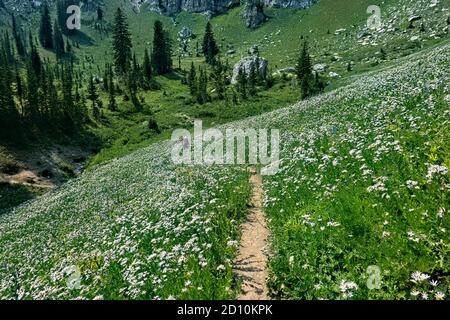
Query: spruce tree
point(70, 115)
point(99, 14)
point(304, 70)
point(162, 51)
point(202, 87)
point(58, 42)
point(209, 45)
point(9, 53)
point(147, 69)
point(19, 89)
point(121, 43)
point(18, 38)
point(32, 94)
point(46, 30)
point(218, 79)
point(8, 111)
point(35, 58)
point(242, 83)
point(192, 80)
point(112, 104)
point(92, 92)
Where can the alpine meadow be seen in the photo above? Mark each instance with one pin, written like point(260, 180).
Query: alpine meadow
point(224, 150)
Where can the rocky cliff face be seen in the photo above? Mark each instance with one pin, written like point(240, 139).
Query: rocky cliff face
point(297, 4)
point(170, 7)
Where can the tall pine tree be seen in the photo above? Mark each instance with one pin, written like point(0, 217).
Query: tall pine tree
point(18, 37)
point(46, 30)
point(58, 41)
point(162, 51)
point(303, 70)
point(121, 43)
point(209, 45)
point(8, 111)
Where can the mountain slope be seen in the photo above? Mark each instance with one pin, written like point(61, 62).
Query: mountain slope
point(132, 239)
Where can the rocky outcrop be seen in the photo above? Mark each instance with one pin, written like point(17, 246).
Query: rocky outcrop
point(246, 64)
point(296, 4)
point(170, 7)
point(254, 13)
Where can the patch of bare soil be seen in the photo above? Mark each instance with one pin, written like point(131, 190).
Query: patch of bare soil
point(39, 166)
point(251, 262)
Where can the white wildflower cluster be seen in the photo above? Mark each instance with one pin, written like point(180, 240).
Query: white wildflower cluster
point(379, 185)
point(426, 289)
point(347, 288)
point(436, 170)
point(138, 218)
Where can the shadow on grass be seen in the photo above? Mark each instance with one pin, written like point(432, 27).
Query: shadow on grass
point(13, 195)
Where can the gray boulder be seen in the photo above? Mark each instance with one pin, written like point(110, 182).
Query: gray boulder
point(254, 14)
point(246, 64)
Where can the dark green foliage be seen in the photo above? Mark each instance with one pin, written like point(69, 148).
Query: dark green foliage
point(18, 37)
point(35, 58)
point(8, 111)
point(209, 45)
point(121, 43)
point(304, 72)
point(202, 87)
point(99, 14)
point(58, 41)
point(242, 83)
point(218, 79)
point(349, 67)
point(192, 80)
point(162, 51)
point(112, 104)
point(31, 112)
point(252, 80)
point(93, 96)
point(46, 29)
point(153, 125)
point(9, 53)
point(383, 54)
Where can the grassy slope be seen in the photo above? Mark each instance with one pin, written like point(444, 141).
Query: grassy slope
point(127, 238)
point(355, 191)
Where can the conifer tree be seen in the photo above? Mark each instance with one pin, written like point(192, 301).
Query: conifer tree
point(202, 85)
point(8, 48)
point(46, 30)
point(304, 70)
point(112, 104)
point(32, 94)
point(218, 79)
point(242, 83)
point(147, 70)
point(18, 38)
point(8, 111)
point(192, 80)
point(162, 50)
point(19, 90)
point(99, 14)
point(58, 41)
point(121, 43)
point(92, 92)
point(209, 45)
point(70, 115)
point(35, 58)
